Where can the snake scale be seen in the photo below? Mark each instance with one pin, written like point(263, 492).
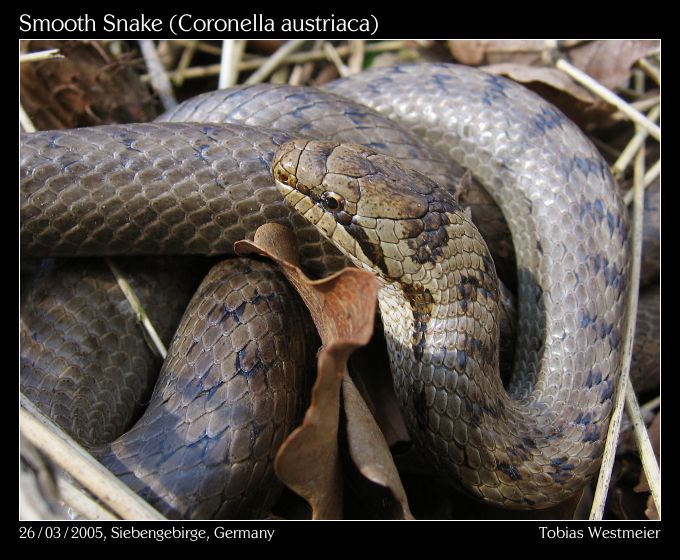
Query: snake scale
point(169, 187)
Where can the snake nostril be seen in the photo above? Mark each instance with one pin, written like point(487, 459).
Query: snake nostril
point(280, 175)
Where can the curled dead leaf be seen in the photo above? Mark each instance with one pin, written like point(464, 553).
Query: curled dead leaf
point(368, 448)
point(343, 308)
point(519, 51)
point(609, 62)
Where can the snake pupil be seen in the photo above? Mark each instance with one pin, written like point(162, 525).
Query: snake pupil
point(332, 201)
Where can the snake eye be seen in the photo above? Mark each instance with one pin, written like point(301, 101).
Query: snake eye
point(333, 202)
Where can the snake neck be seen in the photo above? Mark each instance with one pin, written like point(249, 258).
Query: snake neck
point(442, 332)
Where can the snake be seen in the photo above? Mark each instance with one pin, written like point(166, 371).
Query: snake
point(355, 187)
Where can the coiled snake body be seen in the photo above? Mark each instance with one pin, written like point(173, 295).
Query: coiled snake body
point(531, 446)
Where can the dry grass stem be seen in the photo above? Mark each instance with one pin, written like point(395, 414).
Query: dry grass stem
point(81, 503)
point(184, 61)
point(40, 55)
point(153, 340)
point(633, 114)
point(644, 445)
point(650, 70)
point(25, 121)
point(356, 58)
point(78, 463)
point(160, 80)
point(650, 406)
point(232, 52)
point(273, 61)
point(651, 174)
point(334, 57)
point(294, 58)
point(628, 153)
point(600, 497)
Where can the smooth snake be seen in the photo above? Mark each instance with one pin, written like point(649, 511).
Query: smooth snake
point(188, 188)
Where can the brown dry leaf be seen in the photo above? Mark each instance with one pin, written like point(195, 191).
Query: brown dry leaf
point(530, 51)
point(343, 309)
point(609, 62)
point(89, 86)
point(370, 372)
point(368, 448)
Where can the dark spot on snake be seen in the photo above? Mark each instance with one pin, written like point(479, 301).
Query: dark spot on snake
point(343, 218)
point(599, 208)
point(193, 345)
point(373, 251)
point(583, 419)
point(53, 141)
point(529, 442)
point(539, 247)
point(356, 117)
point(467, 288)
point(208, 131)
point(420, 407)
point(463, 305)
point(562, 463)
point(607, 390)
point(555, 433)
point(587, 319)
point(421, 306)
point(257, 367)
point(548, 119)
point(299, 112)
point(127, 141)
point(612, 222)
point(590, 165)
point(605, 329)
point(379, 146)
point(429, 244)
point(441, 81)
point(615, 339)
point(509, 470)
point(594, 377)
point(213, 390)
point(591, 434)
point(462, 359)
point(201, 151)
point(475, 348)
point(494, 90)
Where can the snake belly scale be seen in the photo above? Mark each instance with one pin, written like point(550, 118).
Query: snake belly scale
point(530, 446)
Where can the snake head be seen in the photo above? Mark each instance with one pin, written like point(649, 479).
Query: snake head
point(367, 204)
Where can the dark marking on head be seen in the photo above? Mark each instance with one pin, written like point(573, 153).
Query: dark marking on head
point(429, 244)
point(372, 250)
